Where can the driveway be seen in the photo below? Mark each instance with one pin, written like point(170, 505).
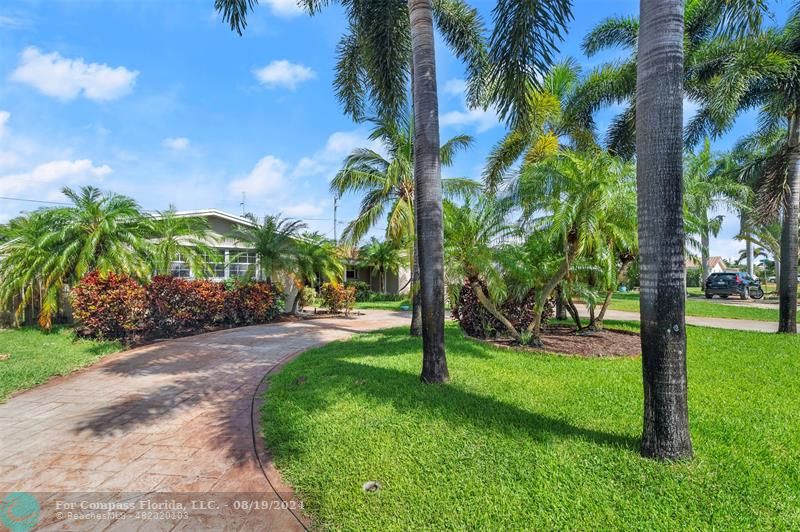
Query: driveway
point(717, 323)
point(169, 418)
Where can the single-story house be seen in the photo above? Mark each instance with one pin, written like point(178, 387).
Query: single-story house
point(715, 264)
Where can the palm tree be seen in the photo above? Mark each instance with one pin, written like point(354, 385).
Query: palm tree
point(763, 72)
point(275, 243)
point(544, 133)
point(584, 202)
point(52, 249)
point(316, 257)
point(615, 83)
point(659, 152)
point(173, 235)
point(387, 186)
point(387, 39)
point(382, 257)
point(706, 190)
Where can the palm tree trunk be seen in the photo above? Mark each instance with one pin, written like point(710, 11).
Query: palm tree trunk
point(744, 230)
point(416, 296)
point(561, 311)
point(704, 244)
point(623, 271)
point(493, 310)
point(428, 191)
point(787, 291)
point(659, 151)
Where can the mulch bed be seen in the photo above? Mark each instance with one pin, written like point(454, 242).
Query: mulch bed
point(564, 341)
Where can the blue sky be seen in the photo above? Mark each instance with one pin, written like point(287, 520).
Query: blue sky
point(162, 102)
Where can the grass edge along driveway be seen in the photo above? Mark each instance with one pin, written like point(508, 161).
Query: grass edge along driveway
point(528, 441)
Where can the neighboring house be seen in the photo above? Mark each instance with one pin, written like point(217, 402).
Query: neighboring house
point(715, 264)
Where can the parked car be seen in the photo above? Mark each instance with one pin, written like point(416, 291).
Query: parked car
point(733, 284)
point(771, 279)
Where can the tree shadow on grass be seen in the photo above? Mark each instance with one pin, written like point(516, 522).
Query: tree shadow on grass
point(318, 385)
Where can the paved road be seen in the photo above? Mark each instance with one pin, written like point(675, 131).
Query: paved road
point(718, 323)
point(171, 417)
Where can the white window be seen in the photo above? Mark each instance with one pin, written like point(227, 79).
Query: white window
point(216, 265)
point(180, 268)
point(351, 274)
point(242, 263)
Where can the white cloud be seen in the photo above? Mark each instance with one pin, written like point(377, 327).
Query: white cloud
point(51, 174)
point(4, 116)
point(483, 120)
point(284, 8)
point(268, 176)
point(338, 146)
point(66, 79)
point(176, 143)
point(454, 86)
point(282, 73)
point(11, 22)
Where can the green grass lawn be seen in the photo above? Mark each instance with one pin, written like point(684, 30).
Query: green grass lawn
point(696, 307)
point(35, 356)
point(383, 305)
point(527, 441)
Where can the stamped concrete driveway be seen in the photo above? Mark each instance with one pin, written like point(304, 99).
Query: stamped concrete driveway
point(171, 417)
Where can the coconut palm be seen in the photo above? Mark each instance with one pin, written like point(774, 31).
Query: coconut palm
point(543, 134)
point(614, 83)
point(274, 241)
point(387, 41)
point(387, 185)
point(659, 169)
point(52, 249)
point(383, 257)
point(173, 235)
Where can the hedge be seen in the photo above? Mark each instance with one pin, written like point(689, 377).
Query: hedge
point(117, 307)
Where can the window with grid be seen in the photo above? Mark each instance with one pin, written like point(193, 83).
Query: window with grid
point(242, 263)
point(179, 267)
point(216, 264)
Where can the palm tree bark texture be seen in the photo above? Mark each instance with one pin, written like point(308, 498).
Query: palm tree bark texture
point(787, 317)
point(427, 173)
point(659, 146)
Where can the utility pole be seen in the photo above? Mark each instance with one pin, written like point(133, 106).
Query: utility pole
point(242, 204)
point(335, 208)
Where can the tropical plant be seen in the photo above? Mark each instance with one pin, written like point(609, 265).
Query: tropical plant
point(761, 72)
point(172, 235)
point(615, 83)
point(543, 134)
point(317, 258)
point(52, 249)
point(383, 257)
point(585, 203)
point(659, 169)
point(387, 185)
point(275, 242)
point(385, 41)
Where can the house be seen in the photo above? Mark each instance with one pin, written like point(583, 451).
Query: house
point(237, 258)
point(715, 264)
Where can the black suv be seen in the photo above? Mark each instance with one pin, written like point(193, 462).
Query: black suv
point(732, 284)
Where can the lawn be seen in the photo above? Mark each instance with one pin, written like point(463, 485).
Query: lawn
point(696, 307)
point(383, 305)
point(526, 441)
point(35, 356)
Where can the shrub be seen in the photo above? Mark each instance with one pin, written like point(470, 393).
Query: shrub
point(307, 297)
point(476, 321)
point(109, 307)
point(363, 290)
point(117, 307)
point(338, 298)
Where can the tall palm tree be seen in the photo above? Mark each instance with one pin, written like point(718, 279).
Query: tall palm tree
point(387, 39)
point(760, 72)
point(659, 152)
point(274, 241)
point(173, 235)
point(614, 83)
point(387, 186)
point(382, 256)
point(54, 248)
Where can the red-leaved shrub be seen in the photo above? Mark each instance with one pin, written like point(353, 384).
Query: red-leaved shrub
point(118, 307)
point(110, 307)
